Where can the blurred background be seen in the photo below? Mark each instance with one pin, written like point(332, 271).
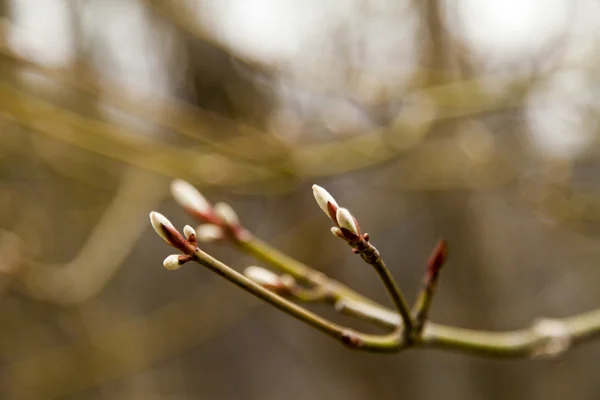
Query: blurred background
point(471, 120)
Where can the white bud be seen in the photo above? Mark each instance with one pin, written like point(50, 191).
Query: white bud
point(323, 197)
point(172, 262)
point(555, 338)
point(188, 231)
point(262, 276)
point(188, 196)
point(227, 214)
point(337, 232)
point(159, 223)
point(209, 233)
point(346, 220)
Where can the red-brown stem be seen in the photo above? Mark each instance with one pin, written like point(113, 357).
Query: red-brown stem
point(177, 240)
point(424, 300)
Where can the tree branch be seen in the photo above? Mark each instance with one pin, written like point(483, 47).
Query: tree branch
point(545, 338)
point(351, 338)
point(93, 266)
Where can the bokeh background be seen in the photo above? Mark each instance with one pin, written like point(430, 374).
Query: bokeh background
point(473, 120)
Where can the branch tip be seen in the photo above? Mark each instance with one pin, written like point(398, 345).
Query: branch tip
point(165, 229)
point(227, 214)
point(174, 261)
point(161, 224)
point(190, 234)
point(209, 233)
point(325, 201)
point(188, 197)
point(437, 259)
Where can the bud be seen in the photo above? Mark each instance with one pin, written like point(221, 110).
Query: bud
point(347, 224)
point(337, 232)
point(346, 220)
point(161, 225)
point(189, 233)
point(555, 338)
point(165, 229)
point(437, 259)
point(325, 201)
point(227, 214)
point(174, 261)
point(263, 277)
point(188, 197)
point(209, 233)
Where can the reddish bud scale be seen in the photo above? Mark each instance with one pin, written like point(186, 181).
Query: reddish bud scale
point(206, 217)
point(349, 236)
point(177, 240)
point(437, 259)
point(183, 258)
point(332, 209)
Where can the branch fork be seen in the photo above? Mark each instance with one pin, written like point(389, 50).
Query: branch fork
point(297, 282)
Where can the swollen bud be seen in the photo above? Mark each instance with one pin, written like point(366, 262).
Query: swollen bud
point(189, 233)
point(174, 261)
point(188, 197)
point(337, 232)
point(262, 276)
point(280, 284)
point(325, 201)
point(161, 225)
point(346, 221)
point(209, 233)
point(227, 214)
point(168, 233)
point(554, 338)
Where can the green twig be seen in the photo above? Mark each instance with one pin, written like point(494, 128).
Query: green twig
point(371, 256)
point(376, 343)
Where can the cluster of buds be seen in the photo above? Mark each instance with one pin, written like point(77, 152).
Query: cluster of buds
point(346, 225)
point(185, 243)
point(218, 222)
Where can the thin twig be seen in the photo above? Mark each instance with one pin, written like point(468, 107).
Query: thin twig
point(371, 256)
point(510, 344)
point(425, 297)
point(353, 339)
point(336, 291)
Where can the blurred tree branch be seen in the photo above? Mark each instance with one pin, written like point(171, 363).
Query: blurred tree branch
point(102, 254)
point(239, 162)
